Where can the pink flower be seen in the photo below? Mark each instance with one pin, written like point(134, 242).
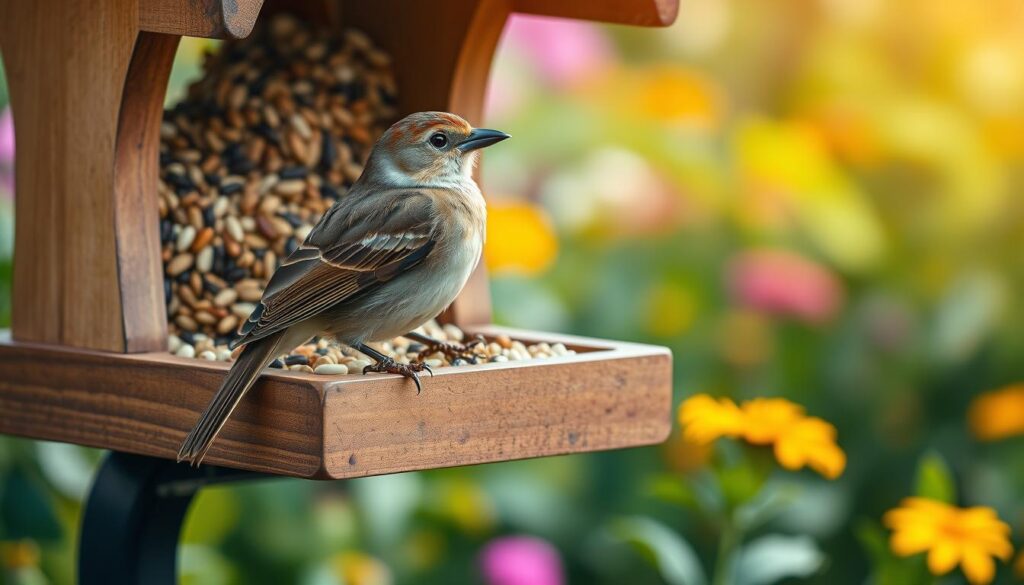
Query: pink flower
point(784, 283)
point(563, 51)
point(6, 152)
point(521, 560)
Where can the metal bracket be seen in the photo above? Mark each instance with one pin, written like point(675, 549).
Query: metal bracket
point(133, 518)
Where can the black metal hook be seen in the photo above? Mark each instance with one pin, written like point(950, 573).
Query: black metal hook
point(133, 518)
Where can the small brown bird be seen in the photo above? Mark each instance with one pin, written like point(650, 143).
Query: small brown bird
point(386, 258)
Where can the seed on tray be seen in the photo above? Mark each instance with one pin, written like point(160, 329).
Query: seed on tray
point(357, 365)
point(331, 369)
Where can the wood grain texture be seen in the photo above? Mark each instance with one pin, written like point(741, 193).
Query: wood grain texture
point(611, 396)
point(65, 90)
point(220, 19)
point(635, 12)
point(137, 232)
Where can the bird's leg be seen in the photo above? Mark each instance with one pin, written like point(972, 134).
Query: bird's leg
point(451, 350)
point(387, 364)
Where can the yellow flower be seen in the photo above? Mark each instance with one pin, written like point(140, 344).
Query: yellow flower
point(677, 96)
point(798, 440)
point(466, 505)
point(811, 442)
point(970, 537)
point(767, 418)
point(19, 554)
point(705, 419)
point(356, 568)
point(997, 415)
point(520, 238)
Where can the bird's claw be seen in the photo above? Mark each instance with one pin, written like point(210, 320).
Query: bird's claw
point(410, 370)
point(453, 351)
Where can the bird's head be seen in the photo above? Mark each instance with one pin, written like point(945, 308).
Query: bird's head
point(428, 148)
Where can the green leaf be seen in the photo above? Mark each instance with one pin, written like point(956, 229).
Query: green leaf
point(740, 483)
point(213, 527)
point(669, 552)
point(672, 489)
point(201, 565)
point(27, 510)
point(766, 505)
point(775, 557)
point(934, 479)
point(66, 467)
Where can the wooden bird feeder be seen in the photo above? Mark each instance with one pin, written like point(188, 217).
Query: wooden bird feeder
point(86, 359)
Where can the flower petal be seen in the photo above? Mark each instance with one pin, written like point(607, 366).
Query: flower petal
point(943, 557)
point(765, 419)
point(979, 568)
point(705, 419)
point(810, 441)
point(912, 541)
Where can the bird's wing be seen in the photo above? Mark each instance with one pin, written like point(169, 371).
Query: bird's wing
point(355, 247)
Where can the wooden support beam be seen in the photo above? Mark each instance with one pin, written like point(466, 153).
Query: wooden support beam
point(216, 19)
point(634, 12)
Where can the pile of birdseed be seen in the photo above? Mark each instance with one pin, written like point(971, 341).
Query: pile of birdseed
point(276, 130)
point(322, 356)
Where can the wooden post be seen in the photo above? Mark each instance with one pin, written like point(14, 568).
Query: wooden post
point(66, 64)
point(87, 87)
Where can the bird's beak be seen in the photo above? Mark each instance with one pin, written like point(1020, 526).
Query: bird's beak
point(481, 137)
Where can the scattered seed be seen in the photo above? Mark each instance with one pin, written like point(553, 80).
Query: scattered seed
point(356, 366)
point(330, 369)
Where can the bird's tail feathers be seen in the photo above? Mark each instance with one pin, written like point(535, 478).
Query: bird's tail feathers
point(240, 378)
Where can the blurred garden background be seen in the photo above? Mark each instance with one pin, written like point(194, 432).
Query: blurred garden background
point(811, 200)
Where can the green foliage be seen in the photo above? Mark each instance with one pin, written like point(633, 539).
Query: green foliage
point(934, 479)
point(27, 509)
point(773, 558)
point(657, 544)
point(5, 293)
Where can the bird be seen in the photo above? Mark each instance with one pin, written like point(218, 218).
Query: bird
point(387, 257)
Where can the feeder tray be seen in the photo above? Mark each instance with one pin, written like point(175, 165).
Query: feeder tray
point(86, 360)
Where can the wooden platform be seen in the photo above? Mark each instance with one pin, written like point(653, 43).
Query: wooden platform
point(609, 395)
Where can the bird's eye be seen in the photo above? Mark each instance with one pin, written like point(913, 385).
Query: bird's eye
point(438, 140)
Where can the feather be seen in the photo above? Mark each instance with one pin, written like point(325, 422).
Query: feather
point(240, 378)
point(327, 270)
